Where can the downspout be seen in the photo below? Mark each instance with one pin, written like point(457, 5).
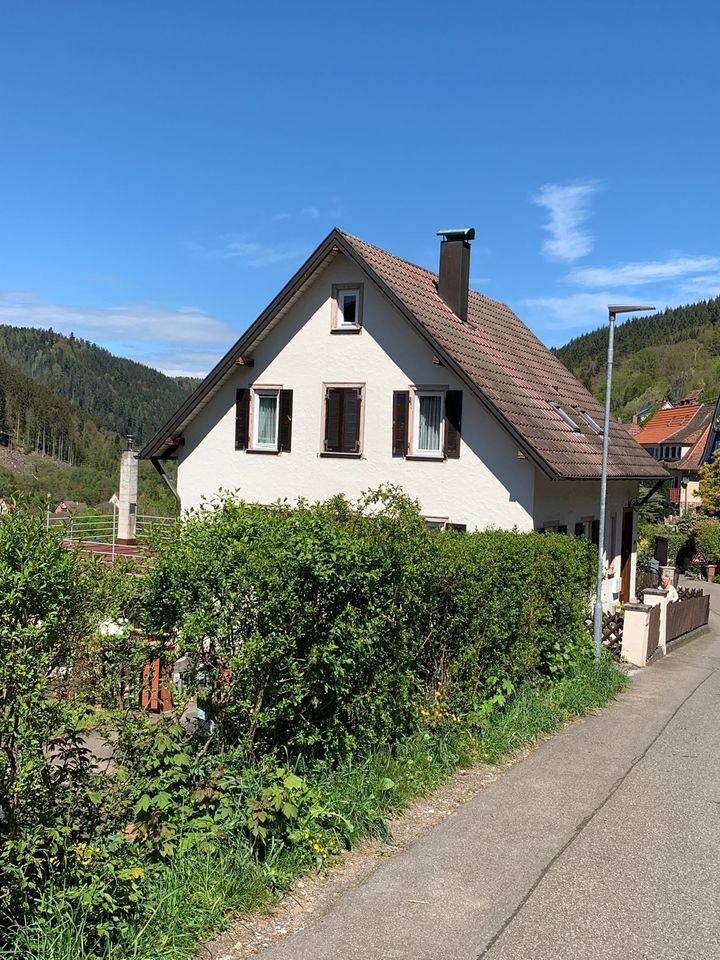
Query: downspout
point(158, 464)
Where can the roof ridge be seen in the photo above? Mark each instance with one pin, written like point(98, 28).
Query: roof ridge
point(417, 266)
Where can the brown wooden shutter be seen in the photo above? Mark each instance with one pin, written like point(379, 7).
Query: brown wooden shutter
point(333, 414)
point(453, 418)
point(595, 532)
point(285, 421)
point(242, 418)
point(401, 403)
point(350, 429)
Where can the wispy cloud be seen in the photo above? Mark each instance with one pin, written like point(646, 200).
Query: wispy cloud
point(636, 274)
point(704, 287)
point(569, 207)
point(232, 247)
point(312, 212)
point(574, 312)
point(181, 339)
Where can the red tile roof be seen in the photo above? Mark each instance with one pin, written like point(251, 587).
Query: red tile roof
point(663, 424)
point(693, 458)
point(516, 372)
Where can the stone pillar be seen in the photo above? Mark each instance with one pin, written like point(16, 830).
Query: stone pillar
point(127, 510)
point(653, 597)
point(635, 633)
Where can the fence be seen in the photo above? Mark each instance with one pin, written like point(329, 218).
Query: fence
point(612, 631)
point(100, 530)
point(687, 614)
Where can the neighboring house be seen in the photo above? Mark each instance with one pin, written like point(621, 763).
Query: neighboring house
point(683, 438)
point(366, 369)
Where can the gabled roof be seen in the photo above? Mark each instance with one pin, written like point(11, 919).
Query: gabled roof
point(666, 423)
point(694, 458)
point(510, 371)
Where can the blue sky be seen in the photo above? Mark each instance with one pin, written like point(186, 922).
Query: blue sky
point(166, 165)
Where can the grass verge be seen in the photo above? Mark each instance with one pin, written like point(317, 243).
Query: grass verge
point(198, 894)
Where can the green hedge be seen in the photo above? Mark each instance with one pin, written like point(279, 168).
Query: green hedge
point(678, 543)
point(326, 629)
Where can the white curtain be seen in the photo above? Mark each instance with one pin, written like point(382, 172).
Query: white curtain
point(266, 420)
point(429, 426)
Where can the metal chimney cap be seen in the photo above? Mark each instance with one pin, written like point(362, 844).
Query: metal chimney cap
point(461, 233)
point(130, 441)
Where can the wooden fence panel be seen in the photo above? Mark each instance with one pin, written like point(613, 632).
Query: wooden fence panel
point(155, 694)
point(653, 630)
point(686, 615)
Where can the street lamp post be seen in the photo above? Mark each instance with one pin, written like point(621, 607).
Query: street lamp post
point(613, 311)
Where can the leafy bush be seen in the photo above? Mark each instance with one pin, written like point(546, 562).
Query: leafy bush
point(346, 659)
point(707, 537)
point(47, 608)
point(319, 629)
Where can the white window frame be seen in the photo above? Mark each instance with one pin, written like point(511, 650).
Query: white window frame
point(342, 294)
point(418, 393)
point(256, 394)
point(339, 292)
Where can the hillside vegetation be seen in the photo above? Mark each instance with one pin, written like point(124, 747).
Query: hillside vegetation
point(63, 452)
point(121, 395)
point(664, 355)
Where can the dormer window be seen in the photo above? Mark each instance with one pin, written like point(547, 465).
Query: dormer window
point(347, 306)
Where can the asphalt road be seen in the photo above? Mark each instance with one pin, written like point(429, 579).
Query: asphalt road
point(604, 844)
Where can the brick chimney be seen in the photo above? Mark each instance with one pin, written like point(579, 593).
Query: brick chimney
point(454, 273)
point(127, 508)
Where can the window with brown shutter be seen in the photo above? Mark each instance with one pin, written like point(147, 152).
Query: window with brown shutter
point(401, 404)
point(453, 418)
point(343, 420)
point(242, 418)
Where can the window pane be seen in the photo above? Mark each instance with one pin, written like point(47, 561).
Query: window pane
point(266, 432)
point(349, 308)
point(429, 423)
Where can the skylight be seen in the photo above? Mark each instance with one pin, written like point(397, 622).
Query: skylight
point(565, 416)
point(593, 424)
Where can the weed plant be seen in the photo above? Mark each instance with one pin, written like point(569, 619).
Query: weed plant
point(199, 892)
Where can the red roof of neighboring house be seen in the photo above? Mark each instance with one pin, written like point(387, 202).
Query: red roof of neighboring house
point(693, 458)
point(663, 424)
point(494, 353)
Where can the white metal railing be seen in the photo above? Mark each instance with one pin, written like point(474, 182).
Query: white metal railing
point(102, 528)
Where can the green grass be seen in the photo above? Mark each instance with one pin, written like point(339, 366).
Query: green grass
point(199, 894)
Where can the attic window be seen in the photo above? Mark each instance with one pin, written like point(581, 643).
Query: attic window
point(565, 416)
point(593, 424)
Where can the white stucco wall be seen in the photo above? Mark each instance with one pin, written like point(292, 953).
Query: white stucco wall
point(574, 501)
point(486, 486)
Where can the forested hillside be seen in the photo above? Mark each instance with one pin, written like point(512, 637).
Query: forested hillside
point(121, 396)
point(58, 450)
point(664, 355)
point(38, 420)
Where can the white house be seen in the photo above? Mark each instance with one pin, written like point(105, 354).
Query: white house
point(366, 369)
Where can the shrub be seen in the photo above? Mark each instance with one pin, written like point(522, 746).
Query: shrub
point(707, 537)
point(322, 629)
point(47, 608)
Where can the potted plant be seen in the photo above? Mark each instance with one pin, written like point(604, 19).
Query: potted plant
point(707, 537)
